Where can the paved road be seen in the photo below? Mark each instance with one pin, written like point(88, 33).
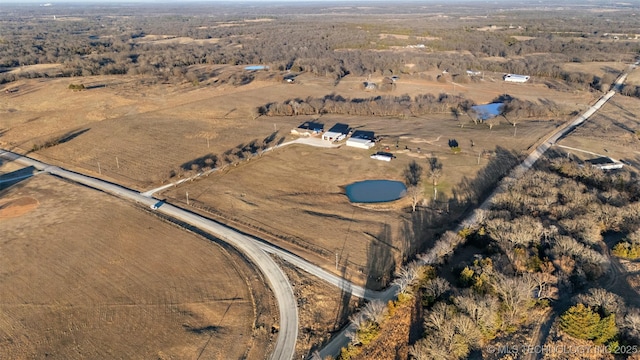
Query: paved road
point(285, 344)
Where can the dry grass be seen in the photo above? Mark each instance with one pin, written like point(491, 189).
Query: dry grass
point(611, 132)
point(137, 133)
point(84, 275)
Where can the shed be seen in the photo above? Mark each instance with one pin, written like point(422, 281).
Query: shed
point(360, 143)
point(516, 78)
point(384, 156)
point(605, 163)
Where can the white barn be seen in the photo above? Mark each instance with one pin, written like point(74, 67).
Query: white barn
point(516, 78)
point(360, 143)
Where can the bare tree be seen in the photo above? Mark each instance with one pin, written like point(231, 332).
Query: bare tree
point(413, 180)
point(631, 324)
point(434, 172)
point(413, 174)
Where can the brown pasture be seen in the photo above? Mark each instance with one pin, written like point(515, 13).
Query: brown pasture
point(85, 275)
point(612, 131)
point(133, 132)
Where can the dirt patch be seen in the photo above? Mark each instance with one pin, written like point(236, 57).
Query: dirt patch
point(34, 68)
point(17, 207)
point(86, 275)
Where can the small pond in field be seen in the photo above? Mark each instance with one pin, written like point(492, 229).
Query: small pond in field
point(374, 191)
point(487, 111)
point(256, 67)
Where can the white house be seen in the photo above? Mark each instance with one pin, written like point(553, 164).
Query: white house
point(336, 133)
point(516, 78)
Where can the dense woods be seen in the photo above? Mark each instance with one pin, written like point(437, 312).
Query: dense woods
point(541, 245)
point(116, 40)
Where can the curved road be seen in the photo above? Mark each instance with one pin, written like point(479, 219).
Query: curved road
point(255, 249)
point(285, 344)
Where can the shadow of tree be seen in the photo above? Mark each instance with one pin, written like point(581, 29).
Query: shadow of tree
point(380, 260)
point(207, 161)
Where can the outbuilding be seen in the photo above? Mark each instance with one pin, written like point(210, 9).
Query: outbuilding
point(516, 78)
point(362, 139)
point(360, 143)
point(384, 156)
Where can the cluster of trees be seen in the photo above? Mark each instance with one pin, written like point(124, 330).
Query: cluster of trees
point(461, 108)
point(233, 156)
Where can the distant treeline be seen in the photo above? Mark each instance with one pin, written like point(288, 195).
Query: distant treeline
point(405, 106)
point(100, 44)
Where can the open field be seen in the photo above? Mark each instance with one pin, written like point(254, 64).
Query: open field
point(611, 132)
point(132, 132)
point(138, 132)
point(296, 193)
point(84, 275)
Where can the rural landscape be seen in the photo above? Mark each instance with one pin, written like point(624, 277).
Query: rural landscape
point(320, 180)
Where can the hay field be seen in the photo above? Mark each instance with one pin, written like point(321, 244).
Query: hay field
point(138, 130)
point(85, 275)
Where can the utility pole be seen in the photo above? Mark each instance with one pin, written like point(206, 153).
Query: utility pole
point(117, 163)
point(479, 153)
point(99, 170)
point(515, 130)
point(336, 260)
point(187, 198)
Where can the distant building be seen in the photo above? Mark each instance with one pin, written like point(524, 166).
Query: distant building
point(336, 133)
point(368, 85)
point(384, 156)
point(516, 78)
point(605, 163)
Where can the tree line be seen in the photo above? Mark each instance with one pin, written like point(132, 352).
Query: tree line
point(102, 44)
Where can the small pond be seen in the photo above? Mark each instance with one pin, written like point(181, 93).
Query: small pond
point(256, 67)
point(487, 111)
point(374, 191)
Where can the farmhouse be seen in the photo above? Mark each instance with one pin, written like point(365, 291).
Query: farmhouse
point(516, 78)
point(308, 128)
point(336, 133)
point(361, 139)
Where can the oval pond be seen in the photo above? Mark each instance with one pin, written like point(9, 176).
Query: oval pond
point(373, 191)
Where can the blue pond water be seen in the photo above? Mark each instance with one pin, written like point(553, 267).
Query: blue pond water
point(487, 111)
point(373, 191)
point(255, 67)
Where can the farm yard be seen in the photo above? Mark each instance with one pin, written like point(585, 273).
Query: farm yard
point(155, 137)
point(83, 274)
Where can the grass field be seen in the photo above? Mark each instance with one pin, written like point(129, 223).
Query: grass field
point(611, 132)
point(85, 275)
point(131, 132)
